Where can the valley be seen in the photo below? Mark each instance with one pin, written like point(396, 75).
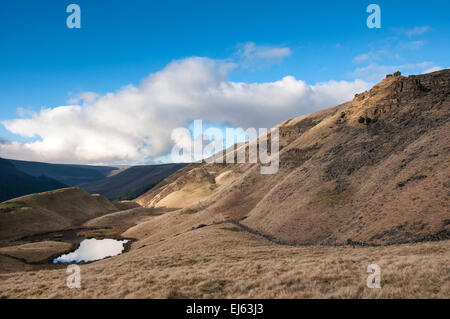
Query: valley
point(348, 194)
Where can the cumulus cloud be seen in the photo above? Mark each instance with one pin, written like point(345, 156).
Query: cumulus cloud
point(136, 122)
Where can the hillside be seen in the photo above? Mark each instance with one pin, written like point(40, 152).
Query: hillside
point(50, 211)
point(370, 171)
point(350, 192)
point(131, 182)
point(14, 183)
point(71, 175)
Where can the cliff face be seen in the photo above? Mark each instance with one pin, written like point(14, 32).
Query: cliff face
point(414, 95)
point(373, 170)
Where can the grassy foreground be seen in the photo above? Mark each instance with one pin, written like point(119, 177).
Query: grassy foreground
point(222, 261)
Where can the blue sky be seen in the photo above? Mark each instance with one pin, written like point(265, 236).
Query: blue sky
point(44, 64)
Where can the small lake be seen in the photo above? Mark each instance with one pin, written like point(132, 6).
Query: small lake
point(93, 249)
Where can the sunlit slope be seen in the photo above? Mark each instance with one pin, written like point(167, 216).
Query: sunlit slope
point(50, 211)
point(373, 170)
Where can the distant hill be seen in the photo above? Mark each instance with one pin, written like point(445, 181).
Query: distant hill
point(15, 183)
point(131, 182)
point(50, 211)
point(68, 174)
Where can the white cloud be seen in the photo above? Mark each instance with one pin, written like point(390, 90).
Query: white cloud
point(361, 58)
point(88, 97)
point(375, 72)
point(433, 69)
point(249, 54)
point(412, 32)
point(412, 45)
point(136, 122)
point(373, 56)
point(417, 31)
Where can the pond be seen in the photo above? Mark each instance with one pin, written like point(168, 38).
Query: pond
point(93, 249)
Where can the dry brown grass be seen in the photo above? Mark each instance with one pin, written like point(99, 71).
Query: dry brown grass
point(189, 194)
point(386, 182)
point(51, 211)
point(338, 180)
point(36, 252)
point(221, 261)
point(113, 224)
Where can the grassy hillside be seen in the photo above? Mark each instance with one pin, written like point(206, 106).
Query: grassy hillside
point(349, 190)
point(221, 261)
point(371, 171)
point(14, 183)
point(50, 211)
point(131, 182)
point(70, 175)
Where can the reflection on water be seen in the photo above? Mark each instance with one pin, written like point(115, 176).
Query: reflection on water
point(93, 249)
